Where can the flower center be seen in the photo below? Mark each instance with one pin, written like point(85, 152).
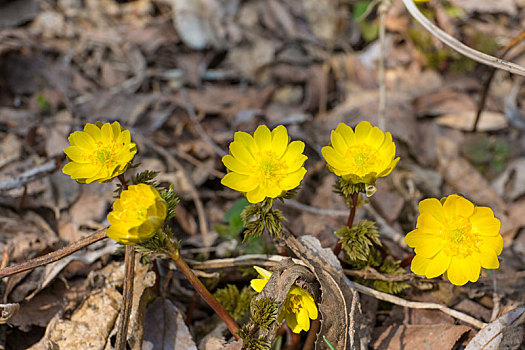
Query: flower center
point(361, 159)
point(293, 304)
point(270, 169)
point(460, 239)
point(104, 155)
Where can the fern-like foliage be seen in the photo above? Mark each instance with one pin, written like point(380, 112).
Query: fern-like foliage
point(146, 177)
point(236, 303)
point(171, 198)
point(358, 240)
point(260, 216)
point(391, 267)
point(251, 342)
point(263, 313)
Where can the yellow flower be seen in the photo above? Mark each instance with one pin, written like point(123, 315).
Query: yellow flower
point(361, 156)
point(99, 153)
point(299, 306)
point(456, 239)
point(265, 164)
point(137, 215)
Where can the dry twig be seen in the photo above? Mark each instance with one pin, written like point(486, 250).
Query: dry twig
point(54, 256)
point(419, 305)
point(460, 47)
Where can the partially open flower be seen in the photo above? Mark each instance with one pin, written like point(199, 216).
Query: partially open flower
point(99, 153)
point(298, 308)
point(456, 239)
point(361, 156)
point(137, 215)
point(264, 165)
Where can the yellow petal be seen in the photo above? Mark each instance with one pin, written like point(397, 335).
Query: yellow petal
point(455, 273)
point(361, 132)
point(472, 268)
point(263, 138)
point(117, 130)
point(376, 139)
point(414, 237)
point(79, 171)
point(101, 175)
point(338, 142)
point(76, 154)
point(429, 224)
point(390, 167)
point(291, 320)
point(438, 265)
point(247, 140)
point(93, 130)
point(303, 321)
point(257, 195)
point(419, 265)
point(124, 138)
point(433, 207)
point(106, 132)
point(292, 180)
point(241, 153)
point(272, 190)
point(333, 158)
point(494, 243)
point(293, 162)
point(258, 284)
point(484, 222)
point(295, 148)
point(83, 140)
point(263, 272)
point(457, 205)
point(239, 182)
point(279, 140)
point(487, 258)
point(429, 246)
point(347, 133)
point(233, 164)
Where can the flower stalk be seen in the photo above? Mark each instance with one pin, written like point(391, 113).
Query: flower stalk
point(350, 221)
point(173, 253)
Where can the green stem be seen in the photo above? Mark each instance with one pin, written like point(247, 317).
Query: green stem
point(173, 253)
point(350, 221)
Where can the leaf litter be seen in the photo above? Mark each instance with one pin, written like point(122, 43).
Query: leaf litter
point(185, 76)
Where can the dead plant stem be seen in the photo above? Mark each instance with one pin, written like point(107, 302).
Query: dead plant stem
point(54, 256)
point(381, 113)
point(127, 293)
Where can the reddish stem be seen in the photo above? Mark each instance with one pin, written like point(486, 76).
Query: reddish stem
point(123, 181)
point(173, 253)
point(350, 221)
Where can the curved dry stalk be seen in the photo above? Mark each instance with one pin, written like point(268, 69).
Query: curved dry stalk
point(53, 256)
point(459, 46)
point(419, 305)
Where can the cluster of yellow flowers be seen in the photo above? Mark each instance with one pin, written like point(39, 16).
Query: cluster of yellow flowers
point(453, 238)
point(102, 152)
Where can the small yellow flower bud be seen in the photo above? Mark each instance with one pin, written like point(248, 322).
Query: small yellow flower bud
point(137, 215)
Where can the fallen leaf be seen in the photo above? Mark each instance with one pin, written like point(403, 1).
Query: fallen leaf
point(428, 337)
point(505, 330)
point(464, 120)
point(165, 329)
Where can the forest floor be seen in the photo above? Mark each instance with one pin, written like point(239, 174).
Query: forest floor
point(183, 77)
